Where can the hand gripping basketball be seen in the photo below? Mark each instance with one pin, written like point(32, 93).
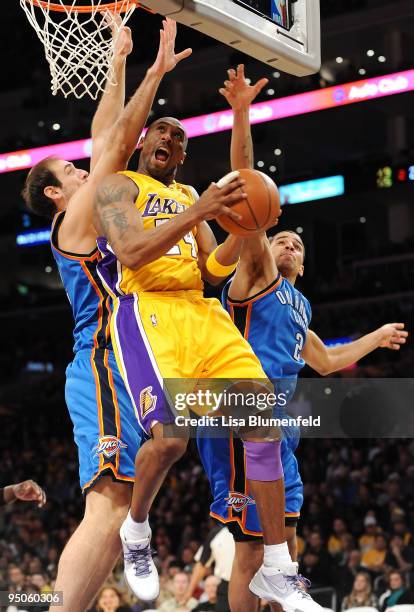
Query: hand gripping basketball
point(258, 210)
point(220, 197)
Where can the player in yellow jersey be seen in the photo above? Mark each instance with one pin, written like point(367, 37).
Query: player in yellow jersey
point(158, 249)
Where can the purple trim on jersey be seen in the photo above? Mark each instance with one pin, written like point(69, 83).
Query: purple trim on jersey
point(139, 369)
point(87, 295)
point(108, 267)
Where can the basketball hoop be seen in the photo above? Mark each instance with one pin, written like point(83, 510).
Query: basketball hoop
point(78, 41)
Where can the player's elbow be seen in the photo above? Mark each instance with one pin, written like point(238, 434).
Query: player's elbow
point(325, 369)
point(132, 256)
point(323, 366)
point(132, 260)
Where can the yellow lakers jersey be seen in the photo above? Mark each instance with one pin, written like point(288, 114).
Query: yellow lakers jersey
point(178, 268)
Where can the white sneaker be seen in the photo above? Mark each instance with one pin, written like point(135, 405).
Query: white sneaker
point(140, 572)
point(285, 587)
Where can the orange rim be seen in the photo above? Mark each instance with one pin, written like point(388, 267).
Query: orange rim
point(121, 6)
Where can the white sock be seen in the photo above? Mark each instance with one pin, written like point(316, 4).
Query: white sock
point(134, 530)
point(276, 554)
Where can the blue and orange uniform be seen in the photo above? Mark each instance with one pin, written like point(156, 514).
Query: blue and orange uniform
point(163, 329)
point(275, 321)
point(105, 427)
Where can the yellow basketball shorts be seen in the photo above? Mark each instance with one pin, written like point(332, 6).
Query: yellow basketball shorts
point(175, 335)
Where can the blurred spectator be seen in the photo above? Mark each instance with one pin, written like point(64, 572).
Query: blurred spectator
point(187, 559)
point(345, 575)
point(348, 545)
point(399, 527)
point(401, 557)
point(375, 558)
point(180, 585)
point(17, 580)
point(361, 594)
point(397, 594)
point(316, 561)
point(210, 595)
point(334, 542)
point(110, 600)
point(367, 540)
point(41, 582)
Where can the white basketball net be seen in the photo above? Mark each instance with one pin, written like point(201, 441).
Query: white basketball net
point(79, 46)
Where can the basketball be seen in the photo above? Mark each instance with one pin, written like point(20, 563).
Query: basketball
point(260, 211)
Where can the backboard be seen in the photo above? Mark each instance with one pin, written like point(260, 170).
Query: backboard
point(282, 33)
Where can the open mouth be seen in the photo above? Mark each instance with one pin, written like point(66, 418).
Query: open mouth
point(162, 154)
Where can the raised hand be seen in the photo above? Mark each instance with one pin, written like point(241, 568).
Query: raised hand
point(167, 58)
point(124, 44)
point(392, 336)
point(238, 93)
point(121, 34)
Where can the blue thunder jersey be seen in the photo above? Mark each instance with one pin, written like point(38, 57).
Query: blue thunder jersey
point(105, 426)
point(275, 322)
point(89, 300)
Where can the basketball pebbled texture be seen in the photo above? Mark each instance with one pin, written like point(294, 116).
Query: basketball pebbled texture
point(261, 209)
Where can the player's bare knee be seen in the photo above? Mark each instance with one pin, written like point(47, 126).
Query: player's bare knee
point(107, 504)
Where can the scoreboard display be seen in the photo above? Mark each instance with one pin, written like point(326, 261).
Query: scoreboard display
point(388, 176)
point(278, 11)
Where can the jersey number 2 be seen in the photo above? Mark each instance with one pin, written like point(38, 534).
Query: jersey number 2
point(298, 347)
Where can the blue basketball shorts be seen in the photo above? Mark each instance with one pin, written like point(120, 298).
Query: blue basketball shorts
point(106, 429)
point(224, 462)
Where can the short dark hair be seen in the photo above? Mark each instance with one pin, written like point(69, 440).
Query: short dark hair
point(39, 177)
point(272, 238)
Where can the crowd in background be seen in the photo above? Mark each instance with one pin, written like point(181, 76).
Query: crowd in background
point(355, 533)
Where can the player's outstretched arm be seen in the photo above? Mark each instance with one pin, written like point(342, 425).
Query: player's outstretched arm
point(123, 136)
point(240, 94)
point(116, 218)
point(326, 360)
point(112, 101)
point(257, 268)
